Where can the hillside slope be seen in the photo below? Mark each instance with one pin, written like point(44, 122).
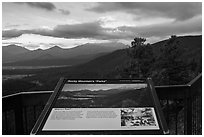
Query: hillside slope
point(191, 45)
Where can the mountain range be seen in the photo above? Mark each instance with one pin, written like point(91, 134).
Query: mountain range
point(14, 55)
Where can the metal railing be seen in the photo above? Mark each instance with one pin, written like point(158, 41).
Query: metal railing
point(20, 111)
point(181, 104)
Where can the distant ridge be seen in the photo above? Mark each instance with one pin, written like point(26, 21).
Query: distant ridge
point(10, 51)
point(72, 56)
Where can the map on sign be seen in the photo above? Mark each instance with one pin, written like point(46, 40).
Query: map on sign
point(102, 105)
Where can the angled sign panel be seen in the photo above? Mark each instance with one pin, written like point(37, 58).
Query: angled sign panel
point(102, 107)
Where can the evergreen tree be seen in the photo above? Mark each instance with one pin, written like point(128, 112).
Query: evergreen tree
point(142, 59)
point(170, 69)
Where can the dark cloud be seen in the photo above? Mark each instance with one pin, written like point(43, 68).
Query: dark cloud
point(78, 30)
point(65, 12)
point(167, 29)
point(12, 33)
point(42, 5)
point(177, 10)
point(84, 30)
point(46, 6)
point(96, 31)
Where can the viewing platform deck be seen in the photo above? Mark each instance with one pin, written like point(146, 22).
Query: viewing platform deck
point(181, 105)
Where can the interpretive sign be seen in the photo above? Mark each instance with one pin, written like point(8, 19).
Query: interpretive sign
point(102, 107)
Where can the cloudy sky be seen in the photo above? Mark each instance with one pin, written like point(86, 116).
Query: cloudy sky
point(43, 25)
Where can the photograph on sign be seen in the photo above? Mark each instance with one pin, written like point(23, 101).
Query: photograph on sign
point(138, 117)
point(103, 96)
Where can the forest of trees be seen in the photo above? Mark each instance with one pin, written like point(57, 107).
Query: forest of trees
point(165, 68)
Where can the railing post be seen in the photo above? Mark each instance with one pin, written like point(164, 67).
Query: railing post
point(188, 113)
point(18, 110)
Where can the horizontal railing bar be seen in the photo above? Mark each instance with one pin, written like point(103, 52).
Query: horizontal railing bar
point(30, 92)
point(171, 86)
point(42, 92)
point(157, 87)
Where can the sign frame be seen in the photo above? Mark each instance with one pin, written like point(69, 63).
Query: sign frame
point(163, 128)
